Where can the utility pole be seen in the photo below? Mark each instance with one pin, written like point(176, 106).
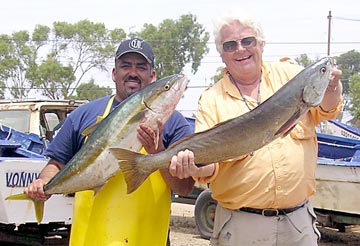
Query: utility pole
point(329, 33)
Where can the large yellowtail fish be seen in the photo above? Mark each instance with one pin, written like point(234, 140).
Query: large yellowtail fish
point(94, 164)
point(274, 118)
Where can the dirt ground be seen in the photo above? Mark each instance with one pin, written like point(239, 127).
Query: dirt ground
point(183, 230)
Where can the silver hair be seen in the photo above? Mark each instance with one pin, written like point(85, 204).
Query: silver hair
point(244, 18)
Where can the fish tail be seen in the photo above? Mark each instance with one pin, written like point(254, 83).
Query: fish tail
point(132, 169)
point(38, 205)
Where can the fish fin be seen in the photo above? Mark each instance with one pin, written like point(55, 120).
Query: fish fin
point(156, 140)
point(90, 129)
point(20, 196)
point(288, 125)
point(39, 210)
point(97, 189)
point(291, 123)
point(288, 131)
point(133, 173)
point(38, 205)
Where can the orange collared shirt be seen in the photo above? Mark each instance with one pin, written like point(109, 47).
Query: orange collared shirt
point(280, 174)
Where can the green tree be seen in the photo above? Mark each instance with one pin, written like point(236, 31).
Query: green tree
point(349, 63)
point(303, 60)
point(55, 60)
point(355, 96)
point(76, 48)
point(91, 44)
point(52, 78)
point(90, 91)
point(2, 90)
point(16, 56)
point(218, 75)
point(176, 43)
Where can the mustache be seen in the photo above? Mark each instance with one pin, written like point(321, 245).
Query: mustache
point(132, 79)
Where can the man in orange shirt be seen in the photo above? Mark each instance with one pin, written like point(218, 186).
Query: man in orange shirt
point(263, 196)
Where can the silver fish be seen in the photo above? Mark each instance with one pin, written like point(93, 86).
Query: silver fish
point(274, 118)
point(93, 164)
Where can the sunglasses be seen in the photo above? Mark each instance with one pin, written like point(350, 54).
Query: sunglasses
point(232, 45)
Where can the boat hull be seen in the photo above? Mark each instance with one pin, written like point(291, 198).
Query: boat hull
point(338, 186)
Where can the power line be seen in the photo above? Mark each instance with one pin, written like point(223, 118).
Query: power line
point(344, 18)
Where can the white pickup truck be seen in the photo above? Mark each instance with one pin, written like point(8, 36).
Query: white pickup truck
point(26, 127)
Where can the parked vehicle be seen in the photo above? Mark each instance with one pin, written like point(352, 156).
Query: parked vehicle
point(36, 116)
point(26, 127)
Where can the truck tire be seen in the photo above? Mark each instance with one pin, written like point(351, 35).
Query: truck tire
point(205, 207)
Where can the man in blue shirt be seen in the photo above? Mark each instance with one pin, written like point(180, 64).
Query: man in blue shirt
point(134, 69)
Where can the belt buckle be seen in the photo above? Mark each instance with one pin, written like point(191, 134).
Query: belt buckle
point(270, 212)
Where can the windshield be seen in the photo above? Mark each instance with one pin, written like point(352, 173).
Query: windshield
point(16, 119)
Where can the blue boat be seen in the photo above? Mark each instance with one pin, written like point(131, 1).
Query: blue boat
point(338, 148)
point(337, 198)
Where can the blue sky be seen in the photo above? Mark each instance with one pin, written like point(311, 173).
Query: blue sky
point(291, 27)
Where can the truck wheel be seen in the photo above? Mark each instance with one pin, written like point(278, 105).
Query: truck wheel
point(205, 207)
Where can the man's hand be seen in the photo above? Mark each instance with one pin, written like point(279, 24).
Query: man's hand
point(150, 139)
point(334, 80)
point(35, 190)
point(182, 165)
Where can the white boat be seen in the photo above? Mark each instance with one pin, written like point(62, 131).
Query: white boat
point(337, 199)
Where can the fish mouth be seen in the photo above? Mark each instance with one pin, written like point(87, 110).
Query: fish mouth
point(180, 85)
point(332, 62)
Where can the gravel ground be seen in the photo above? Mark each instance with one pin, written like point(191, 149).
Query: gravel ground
point(183, 230)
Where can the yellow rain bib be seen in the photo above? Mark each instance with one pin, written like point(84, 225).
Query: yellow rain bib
point(114, 218)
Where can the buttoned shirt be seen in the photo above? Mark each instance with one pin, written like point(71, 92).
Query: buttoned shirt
point(278, 175)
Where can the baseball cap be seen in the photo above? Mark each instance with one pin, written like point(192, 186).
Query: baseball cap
point(136, 45)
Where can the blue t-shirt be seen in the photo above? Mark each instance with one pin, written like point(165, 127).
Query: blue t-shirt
point(69, 139)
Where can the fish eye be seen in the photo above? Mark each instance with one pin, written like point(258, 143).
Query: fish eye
point(323, 69)
point(167, 87)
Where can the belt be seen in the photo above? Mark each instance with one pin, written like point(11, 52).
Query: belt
point(269, 212)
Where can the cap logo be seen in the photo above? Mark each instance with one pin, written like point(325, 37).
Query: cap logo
point(135, 44)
